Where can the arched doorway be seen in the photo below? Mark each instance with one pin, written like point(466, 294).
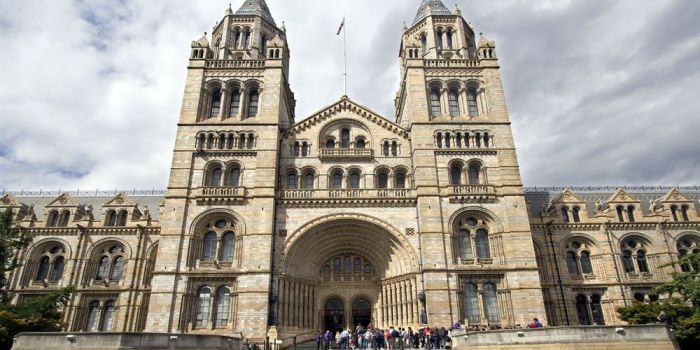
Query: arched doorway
point(361, 312)
point(334, 315)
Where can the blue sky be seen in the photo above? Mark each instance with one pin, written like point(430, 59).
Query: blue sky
point(600, 92)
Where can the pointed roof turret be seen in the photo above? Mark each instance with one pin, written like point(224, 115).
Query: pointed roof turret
point(256, 7)
point(429, 8)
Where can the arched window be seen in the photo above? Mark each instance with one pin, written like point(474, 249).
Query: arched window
point(304, 149)
point(453, 98)
point(246, 38)
point(330, 143)
point(111, 218)
point(345, 138)
point(108, 317)
point(565, 214)
point(400, 181)
point(597, 310)
point(458, 140)
point(337, 180)
point(424, 43)
point(297, 149)
point(215, 104)
point(43, 271)
point(586, 266)
point(487, 140)
point(235, 105)
point(336, 265)
point(471, 302)
point(464, 245)
point(435, 109)
point(474, 174)
point(64, 219)
point(627, 261)
point(251, 141)
point(571, 263)
point(292, 180)
point(209, 247)
point(491, 304)
point(482, 244)
point(263, 44)
point(582, 310)
point(102, 269)
point(346, 264)
point(253, 101)
point(674, 212)
point(438, 39)
point(684, 213)
point(632, 249)
point(214, 179)
point(477, 140)
point(53, 219)
point(354, 180)
point(385, 149)
point(227, 246)
point(382, 180)
point(93, 319)
point(223, 303)
point(438, 140)
point(203, 305)
point(309, 178)
point(394, 149)
point(642, 261)
point(117, 269)
point(57, 269)
point(620, 211)
point(630, 213)
point(456, 175)
point(472, 104)
point(360, 143)
point(357, 265)
point(449, 39)
point(576, 213)
point(123, 217)
point(234, 176)
point(687, 245)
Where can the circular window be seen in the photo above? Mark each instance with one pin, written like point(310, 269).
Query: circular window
point(687, 243)
point(472, 222)
point(221, 224)
point(576, 244)
point(632, 243)
point(55, 250)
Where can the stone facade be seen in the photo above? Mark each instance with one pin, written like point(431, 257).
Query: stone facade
point(275, 226)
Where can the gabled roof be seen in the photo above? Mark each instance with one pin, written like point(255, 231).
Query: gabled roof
point(256, 7)
point(568, 196)
point(431, 7)
point(9, 200)
point(64, 200)
point(621, 196)
point(343, 105)
point(120, 200)
point(675, 196)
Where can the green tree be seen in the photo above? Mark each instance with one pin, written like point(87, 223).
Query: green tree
point(39, 314)
point(681, 310)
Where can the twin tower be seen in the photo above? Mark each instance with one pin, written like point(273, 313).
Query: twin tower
point(277, 224)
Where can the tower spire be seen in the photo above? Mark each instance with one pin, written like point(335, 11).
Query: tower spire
point(256, 7)
point(431, 8)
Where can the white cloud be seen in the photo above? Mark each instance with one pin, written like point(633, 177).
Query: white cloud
point(91, 89)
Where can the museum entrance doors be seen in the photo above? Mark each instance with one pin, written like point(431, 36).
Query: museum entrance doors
point(334, 312)
point(361, 312)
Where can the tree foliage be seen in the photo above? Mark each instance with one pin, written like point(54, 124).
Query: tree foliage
point(680, 310)
point(11, 241)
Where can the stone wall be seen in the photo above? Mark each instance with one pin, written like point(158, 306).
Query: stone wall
point(109, 341)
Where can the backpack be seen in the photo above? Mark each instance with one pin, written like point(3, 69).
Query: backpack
point(395, 334)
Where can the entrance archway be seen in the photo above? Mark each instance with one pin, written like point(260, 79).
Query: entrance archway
point(334, 313)
point(361, 312)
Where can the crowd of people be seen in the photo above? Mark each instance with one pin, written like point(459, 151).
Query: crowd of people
point(393, 338)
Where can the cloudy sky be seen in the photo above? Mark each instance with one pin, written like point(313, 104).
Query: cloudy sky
point(599, 91)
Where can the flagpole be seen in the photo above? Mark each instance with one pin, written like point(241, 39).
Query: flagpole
point(345, 60)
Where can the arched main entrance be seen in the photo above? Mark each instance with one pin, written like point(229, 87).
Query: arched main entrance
point(361, 312)
point(334, 315)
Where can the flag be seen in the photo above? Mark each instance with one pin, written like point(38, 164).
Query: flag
point(341, 26)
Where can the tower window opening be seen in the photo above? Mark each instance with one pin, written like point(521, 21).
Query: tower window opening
point(435, 109)
point(345, 138)
point(472, 103)
point(454, 102)
point(215, 104)
point(235, 104)
point(253, 102)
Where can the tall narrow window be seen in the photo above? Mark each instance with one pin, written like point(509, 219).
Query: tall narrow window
point(214, 177)
point(674, 212)
point(474, 174)
point(108, 317)
point(491, 304)
point(246, 39)
point(215, 104)
point(620, 211)
point(346, 264)
point(454, 102)
point(565, 214)
point(385, 149)
point(123, 217)
point(438, 39)
point(203, 304)
point(263, 44)
point(304, 149)
point(102, 269)
point(336, 265)
point(435, 109)
point(642, 261)
point(345, 138)
point(382, 180)
point(209, 247)
point(64, 219)
point(464, 244)
point(627, 261)
point(235, 104)
point(472, 103)
point(254, 100)
point(438, 140)
point(458, 142)
point(424, 43)
point(223, 305)
point(586, 266)
point(111, 218)
point(309, 181)
point(234, 177)
point(456, 175)
point(53, 219)
point(630, 213)
point(354, 181)
point(576, 214)
point(571, 263)
point(357, 265)
point(582, 310)
point(57, 270)
point(330, 143)
point(93, 320)
point(117, 269)
point(360, 143)
point(394, 149)
point(597, 310)
point(227, 247)
point(251, 141)
point(482, 244)
point(684, 213)
point(292, 180)
point(43, 271)
point(449, 39)
point(337, 180)
point(471, 296)
point(400, 180)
